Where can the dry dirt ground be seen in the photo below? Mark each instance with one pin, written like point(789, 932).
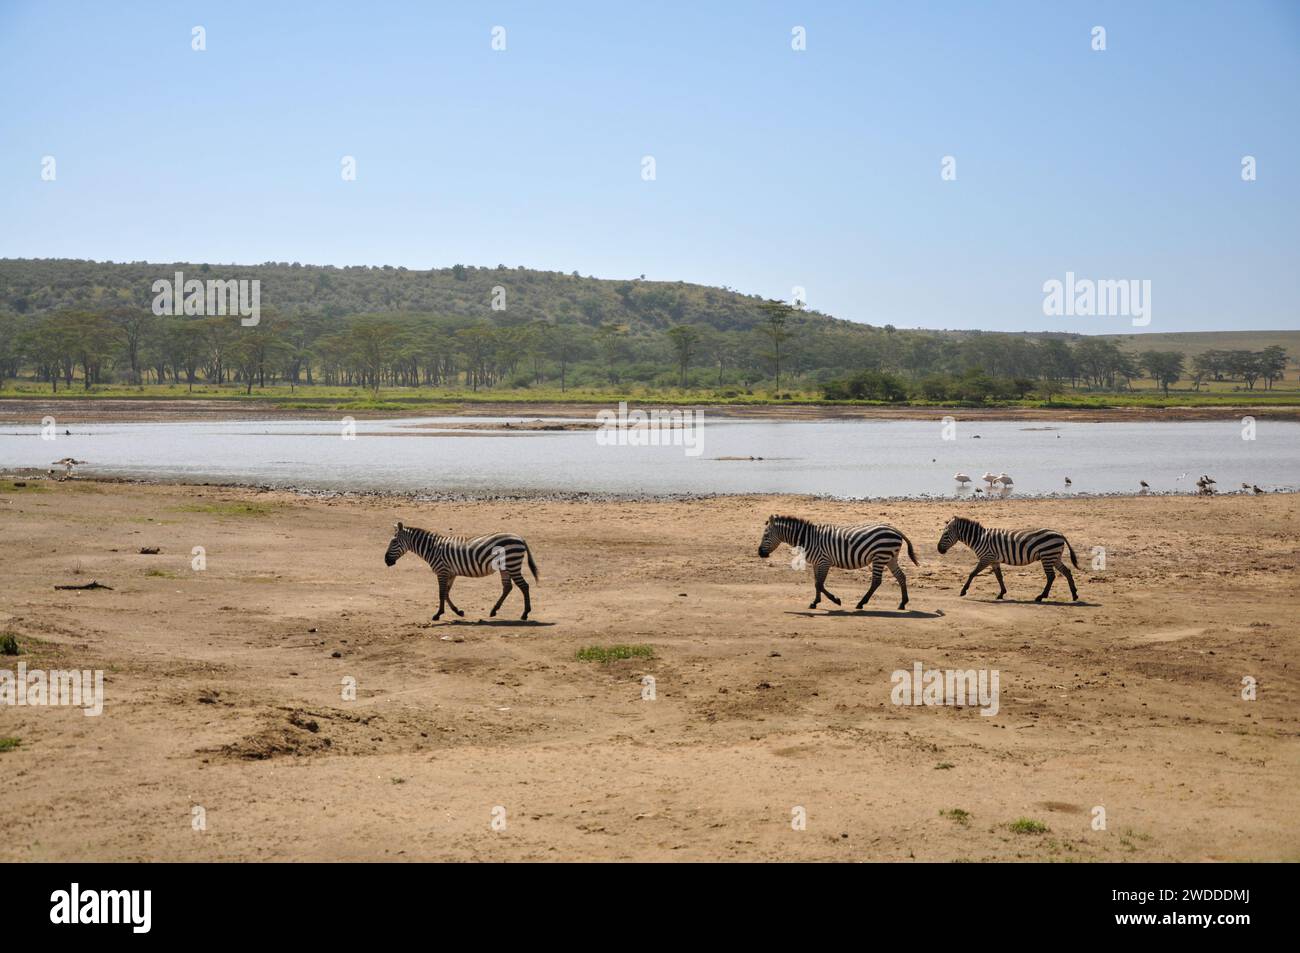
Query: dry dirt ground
point(223, 686)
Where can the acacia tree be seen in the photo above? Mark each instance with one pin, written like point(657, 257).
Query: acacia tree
point(1165, 367)
point(684, 339)
point(776, 318)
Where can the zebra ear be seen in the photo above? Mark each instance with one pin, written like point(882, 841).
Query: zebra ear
point(399, 527)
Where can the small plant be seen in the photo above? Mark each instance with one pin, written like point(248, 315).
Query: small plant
point(956, 814)
point(1026, 825)
point(8, 644)
point(9, 744)
point(609, 653)
point(944, 766)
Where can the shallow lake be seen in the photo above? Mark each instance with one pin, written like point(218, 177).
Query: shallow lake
point(851, 458)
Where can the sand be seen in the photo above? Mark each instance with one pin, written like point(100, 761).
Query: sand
point(470, 740)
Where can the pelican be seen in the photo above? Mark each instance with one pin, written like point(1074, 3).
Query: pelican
point(1005, 480)
point(961, 478)
point(989, 478)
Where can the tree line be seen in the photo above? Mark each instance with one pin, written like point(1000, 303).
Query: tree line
point(784, 348)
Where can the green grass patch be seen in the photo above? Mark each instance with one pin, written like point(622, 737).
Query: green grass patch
point(28, 486)
point(611, 653)
point(944, 766)
point(956, 814)
point(1026, 825)
point(9, 744)
point(8, 643)
point(161, 574)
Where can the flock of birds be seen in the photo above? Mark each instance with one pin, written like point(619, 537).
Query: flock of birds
point(1205, 484)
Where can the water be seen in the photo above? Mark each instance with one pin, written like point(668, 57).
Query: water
point(848, 458)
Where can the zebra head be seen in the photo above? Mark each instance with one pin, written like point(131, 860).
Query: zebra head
point(952, 533)
point(398, 546)
point(776, 532)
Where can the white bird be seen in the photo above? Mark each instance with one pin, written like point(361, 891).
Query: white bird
point(1004, 480)
point(989, 478)
point(961, 478)
point(1183, 477)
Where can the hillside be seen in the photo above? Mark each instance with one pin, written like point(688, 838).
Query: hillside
point(33, 286)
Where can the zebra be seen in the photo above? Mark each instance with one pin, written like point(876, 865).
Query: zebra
point(452, 556)
point(1013, 547)
point(844, 547)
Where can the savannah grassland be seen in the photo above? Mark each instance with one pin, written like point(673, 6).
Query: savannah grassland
point(224, 685)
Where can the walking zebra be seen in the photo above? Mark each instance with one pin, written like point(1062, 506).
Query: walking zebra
point(1013, 547)
point(452, 556)
point(844, 547)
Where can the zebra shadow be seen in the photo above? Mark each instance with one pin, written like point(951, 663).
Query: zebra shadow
point(1065, 603)
point(870, 613)
point(506, 623)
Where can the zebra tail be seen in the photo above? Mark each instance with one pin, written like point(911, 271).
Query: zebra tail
point(532, 566)
point(911, 554)
point(1071, 549)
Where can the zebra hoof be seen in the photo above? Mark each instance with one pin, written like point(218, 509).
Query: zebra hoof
point(1036, 598)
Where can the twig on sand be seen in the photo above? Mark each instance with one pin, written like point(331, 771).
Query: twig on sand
point(89, 585)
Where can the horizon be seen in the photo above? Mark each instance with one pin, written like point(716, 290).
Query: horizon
point(774, 168)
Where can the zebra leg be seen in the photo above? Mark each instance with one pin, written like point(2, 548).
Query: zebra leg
point(1069, 577)
point(523, 587)
point(505, 591)
point(819, 576)
point(1051, 578)
point(902, 580)
point(447, 594)
point(876, 574)
point(979, 568)
point(997, 571)
point(442, 597)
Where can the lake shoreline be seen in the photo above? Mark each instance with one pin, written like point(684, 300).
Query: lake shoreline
point(27, 474)
point(30, 411)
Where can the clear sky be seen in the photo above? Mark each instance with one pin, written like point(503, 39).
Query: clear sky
point(774, 168)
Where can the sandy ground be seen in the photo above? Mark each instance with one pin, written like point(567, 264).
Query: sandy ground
point(223, 686)
point(28, 412)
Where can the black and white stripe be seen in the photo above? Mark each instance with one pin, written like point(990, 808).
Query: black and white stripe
point(452, 556)
point(1013, 547)
point(844, 547)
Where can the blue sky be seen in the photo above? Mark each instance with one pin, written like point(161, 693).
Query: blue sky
point(774, 168)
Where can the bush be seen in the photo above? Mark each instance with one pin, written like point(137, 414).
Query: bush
point(867, 385)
